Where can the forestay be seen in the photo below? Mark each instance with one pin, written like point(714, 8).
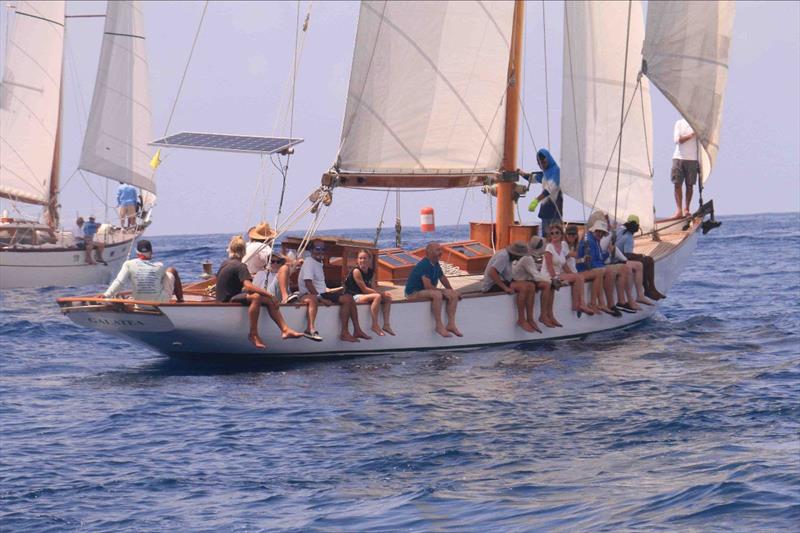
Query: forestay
point(427, 89)
point(686, 57)
point(115, 145)
point(594, 68)
point(29, 101)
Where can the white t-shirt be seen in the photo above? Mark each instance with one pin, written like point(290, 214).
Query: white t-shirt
point(526, 269)
point(312, 269)
point(559, 258)
point(500, 261)
point(256, 256)
point(148, 280)
point(688, 150)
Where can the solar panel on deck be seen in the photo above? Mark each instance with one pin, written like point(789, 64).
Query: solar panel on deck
point(227, 143)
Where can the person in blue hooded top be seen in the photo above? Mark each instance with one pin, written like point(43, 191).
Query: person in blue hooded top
point(550, 201)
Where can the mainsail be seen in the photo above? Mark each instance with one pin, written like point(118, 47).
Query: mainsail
point(115, 145)
point(594, 69)
point(29, 101)
point(427, 93)
point(686, 56)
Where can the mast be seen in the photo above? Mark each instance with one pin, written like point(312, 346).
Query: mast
point(505, 188)
point(51, 209)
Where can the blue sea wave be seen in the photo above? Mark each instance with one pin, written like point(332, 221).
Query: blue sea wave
point(689, 421)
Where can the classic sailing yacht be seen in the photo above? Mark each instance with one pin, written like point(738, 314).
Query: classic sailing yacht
point(34, 253)
point(434, 102)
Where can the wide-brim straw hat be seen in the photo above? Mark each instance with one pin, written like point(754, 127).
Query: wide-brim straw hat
point(517, 248)
point(536, 246)
point(261, 232)
point(599, 225)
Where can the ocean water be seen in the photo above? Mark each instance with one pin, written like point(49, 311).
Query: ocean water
point(689, 422)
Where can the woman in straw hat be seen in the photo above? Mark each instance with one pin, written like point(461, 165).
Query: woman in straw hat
point(259, 249)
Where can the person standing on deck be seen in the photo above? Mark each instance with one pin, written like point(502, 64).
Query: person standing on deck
point(422, 285)
point(685, 166)
point(234, 284)
point(550, 201)
point(90, 228)
point(127, 201)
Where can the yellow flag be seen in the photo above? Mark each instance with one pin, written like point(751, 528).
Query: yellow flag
point(156, 159)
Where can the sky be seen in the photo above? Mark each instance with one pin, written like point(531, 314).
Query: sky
point(238, 80)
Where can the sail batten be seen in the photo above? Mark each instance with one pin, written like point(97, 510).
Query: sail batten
point(595, 74)
point(29, 101)
point(686, 56)
point(119, 128)
point(427, 89)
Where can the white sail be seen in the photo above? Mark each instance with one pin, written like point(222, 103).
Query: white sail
point(29, 101)
point(594, 57)
point(686, 56)
point(115, 145)
point(427, 88)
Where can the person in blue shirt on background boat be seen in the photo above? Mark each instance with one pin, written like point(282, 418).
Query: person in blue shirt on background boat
point(647, 280)
point(550, 201)
point(90, 228)
point(422, 285)
point(127, 201)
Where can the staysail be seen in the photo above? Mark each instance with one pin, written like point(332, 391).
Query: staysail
point(426, 102)
point(594, 69)
point(29, 101)
point(686, 56)
point(115, 145)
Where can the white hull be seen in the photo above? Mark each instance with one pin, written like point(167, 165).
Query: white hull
point(221, 329)
point(43, 267)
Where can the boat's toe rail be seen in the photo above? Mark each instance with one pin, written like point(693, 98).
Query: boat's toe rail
point(98, 303)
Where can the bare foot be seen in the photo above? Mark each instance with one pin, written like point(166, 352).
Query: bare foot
point(547, 322)
point(257, 342)
point(389, 330)
point(644, 301)
point(678, 214)
point(687, 213)
point(534, 326)
point(586, 309)
point(443, 332)
point(347, 337)
point(634, 306)
point(361, 335)
point(557, 323)
point(454, 331)
point(290, 334)
point(525, 325)
point(378, 331)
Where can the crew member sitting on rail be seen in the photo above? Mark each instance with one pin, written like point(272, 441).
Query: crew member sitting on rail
point(498, 277)
point(258, 251)
point(421, 285)
point(314, 291)
point(234, 284)
point(596, 246)
point(526, 269)
point(557, 264)
point(625, 235)
point(578, 264)
point(362, 283)
point(150, 280)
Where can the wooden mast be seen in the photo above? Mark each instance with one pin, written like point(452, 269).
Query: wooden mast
point(51, 208)
point(505, 189)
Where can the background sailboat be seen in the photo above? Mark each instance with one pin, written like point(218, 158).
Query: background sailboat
point(434, 102)
point(34, 253)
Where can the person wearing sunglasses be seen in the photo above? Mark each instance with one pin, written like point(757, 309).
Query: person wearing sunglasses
point(589, 275)
point(555, 260)
point(527, 269)
point(314, 291)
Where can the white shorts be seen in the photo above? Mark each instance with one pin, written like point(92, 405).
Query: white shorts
point(167, 287)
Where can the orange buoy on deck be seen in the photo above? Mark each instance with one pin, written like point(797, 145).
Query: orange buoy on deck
point(426, 223)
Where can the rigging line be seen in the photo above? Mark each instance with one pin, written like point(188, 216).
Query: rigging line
point(546, 89)
point(294, 72)
point(380, 224)
point(528, 127)
point(622, 105)
point(89, 186)
point(288, 91)
point(186, 69)
point(574, 111)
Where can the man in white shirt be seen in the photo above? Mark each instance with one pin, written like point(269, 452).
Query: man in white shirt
point(685, 165)
point(314, 291)
point(150, 280)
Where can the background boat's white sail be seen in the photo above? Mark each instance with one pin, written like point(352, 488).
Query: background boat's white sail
point(29, 101)
point(686, 56)
point(427, 88)
point(115, 145)
point(594, 57)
